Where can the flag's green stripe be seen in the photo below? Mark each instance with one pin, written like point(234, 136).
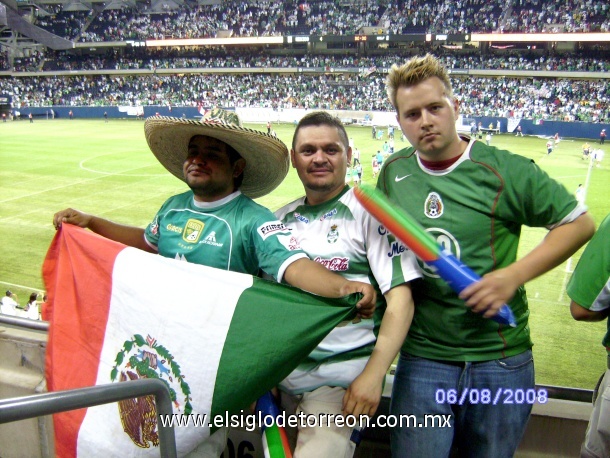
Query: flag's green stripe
point(273, 328)
point(275, 444)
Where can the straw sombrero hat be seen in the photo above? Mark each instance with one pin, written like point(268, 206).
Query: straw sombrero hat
point(266, 156)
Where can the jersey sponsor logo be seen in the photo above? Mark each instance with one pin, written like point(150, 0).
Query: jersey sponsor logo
point(333, 234)
point(210, 239)
point(172, 228)
point(193, 231)
point(335, 264)
point(290, 242)
point(397, 178)
point(396, 248)
point(301, 218)
point(328, 214)
point(433, 206)
point(448, 244)
point(271, 228)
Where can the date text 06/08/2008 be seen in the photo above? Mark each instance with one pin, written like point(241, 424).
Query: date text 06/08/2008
point(496, 396)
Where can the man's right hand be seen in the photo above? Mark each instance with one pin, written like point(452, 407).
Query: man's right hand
point(71, 216)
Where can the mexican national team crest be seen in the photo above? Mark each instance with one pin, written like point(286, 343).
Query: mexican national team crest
point(193, 231)
point(144, 358)
point(333, 234)
point(433, 207)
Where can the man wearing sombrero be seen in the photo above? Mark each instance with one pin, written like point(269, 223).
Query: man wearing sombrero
point(216, 223)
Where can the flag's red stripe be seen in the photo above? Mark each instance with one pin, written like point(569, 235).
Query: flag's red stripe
point(65, 267)
point(285, 443)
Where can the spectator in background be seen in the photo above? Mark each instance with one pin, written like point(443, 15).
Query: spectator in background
point(474, 198)
point(589, 289)
point(598, 156)
point(586, 150)
point(375, 165)
point(519, 131)
point(9, 304)
point(31, 308)
point(44, 312)
point(356, 156)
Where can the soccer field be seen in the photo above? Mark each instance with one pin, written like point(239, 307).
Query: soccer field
point(107, 169)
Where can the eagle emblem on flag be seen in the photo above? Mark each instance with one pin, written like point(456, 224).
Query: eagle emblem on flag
point(144, 358)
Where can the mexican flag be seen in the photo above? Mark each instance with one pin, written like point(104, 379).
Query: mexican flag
point(218, 339)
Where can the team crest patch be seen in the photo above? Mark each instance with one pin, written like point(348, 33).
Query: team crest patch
point(192, 231)
point(144, 358)
point(433, 207)
point(333, 234)
point(154, 227)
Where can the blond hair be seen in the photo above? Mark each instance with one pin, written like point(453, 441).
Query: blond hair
point(414, 71)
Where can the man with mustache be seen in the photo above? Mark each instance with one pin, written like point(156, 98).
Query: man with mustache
point(473, 199)
point(344, 375)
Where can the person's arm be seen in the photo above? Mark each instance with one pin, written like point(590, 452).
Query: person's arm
point(580, 313)
point(315, 278)
point(364, 394)
point(127, 235)
point(498, 287)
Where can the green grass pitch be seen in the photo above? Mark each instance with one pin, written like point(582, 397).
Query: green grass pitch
point(107, 169)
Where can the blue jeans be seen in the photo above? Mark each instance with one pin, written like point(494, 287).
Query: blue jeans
point(474, 398)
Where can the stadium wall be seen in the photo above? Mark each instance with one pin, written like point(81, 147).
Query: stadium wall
point(262, 115)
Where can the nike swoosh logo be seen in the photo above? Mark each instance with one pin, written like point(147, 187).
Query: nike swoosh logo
point(397, 179)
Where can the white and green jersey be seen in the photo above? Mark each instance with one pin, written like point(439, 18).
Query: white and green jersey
point(475, 209)
point(589, 285)
point(234, 233)
point(343, 237)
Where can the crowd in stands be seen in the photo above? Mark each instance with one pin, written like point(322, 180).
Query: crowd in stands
point(559, 16)
point(545, 98)
point(220, 58)
point(361, 87)
point(325, 17)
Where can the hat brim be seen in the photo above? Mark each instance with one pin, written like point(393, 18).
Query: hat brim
point(267, 160)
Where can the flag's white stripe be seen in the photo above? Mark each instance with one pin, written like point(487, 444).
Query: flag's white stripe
point(187, 308)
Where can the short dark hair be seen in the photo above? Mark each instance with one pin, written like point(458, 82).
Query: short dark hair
point(321, 118)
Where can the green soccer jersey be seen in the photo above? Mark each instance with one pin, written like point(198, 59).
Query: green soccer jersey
point(234, 233)
point(590, 282)
point(475, 209)
point(342, 236)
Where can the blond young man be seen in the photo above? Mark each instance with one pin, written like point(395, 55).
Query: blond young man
point(473, 199)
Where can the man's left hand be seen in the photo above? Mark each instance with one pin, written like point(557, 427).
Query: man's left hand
point(366, 305)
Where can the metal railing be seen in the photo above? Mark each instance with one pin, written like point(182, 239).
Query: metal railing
point(24, 322)
point(21, 408)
